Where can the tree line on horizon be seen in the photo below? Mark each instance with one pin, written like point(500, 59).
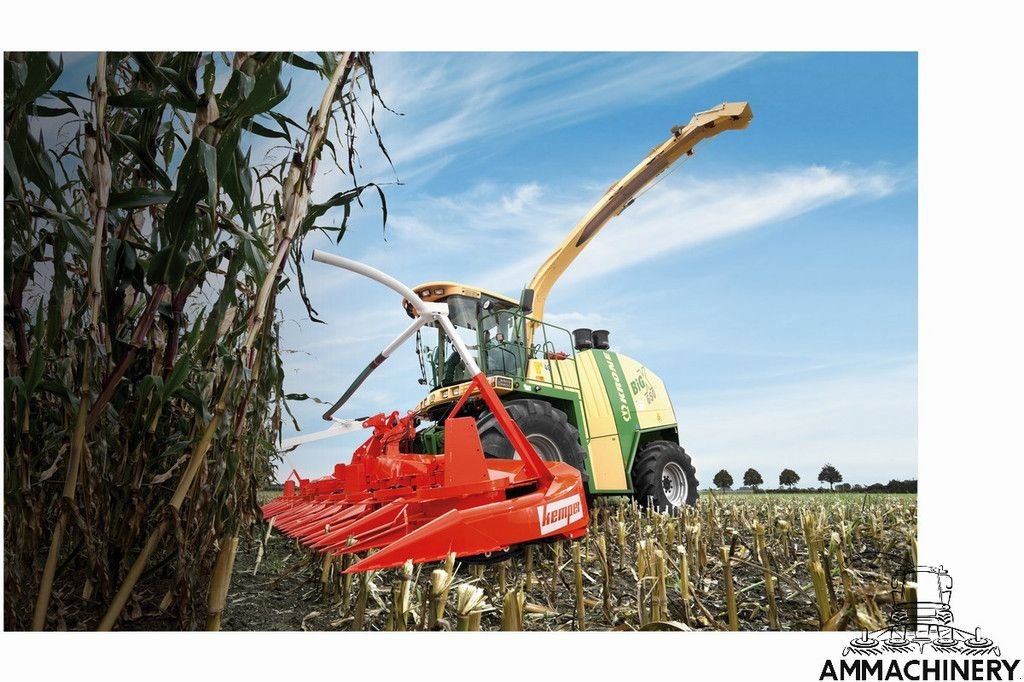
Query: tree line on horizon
point(788, 478)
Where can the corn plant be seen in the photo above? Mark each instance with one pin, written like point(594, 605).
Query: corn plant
point(143, 261)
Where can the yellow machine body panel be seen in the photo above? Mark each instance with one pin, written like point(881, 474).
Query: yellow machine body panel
point(650, 397)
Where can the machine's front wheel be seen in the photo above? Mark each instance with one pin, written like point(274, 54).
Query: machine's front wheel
point(664, 476)
point(545, 426)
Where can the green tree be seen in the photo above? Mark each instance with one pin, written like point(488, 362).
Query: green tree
point(829, 474)
point(788, 477)
point(143, 260)
point(752, 477)
point(723, 480)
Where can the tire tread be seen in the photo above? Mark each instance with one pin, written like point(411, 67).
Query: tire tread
point(646, 474)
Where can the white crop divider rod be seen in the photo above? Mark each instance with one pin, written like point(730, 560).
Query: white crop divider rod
point(338, 428)
point(425, 314)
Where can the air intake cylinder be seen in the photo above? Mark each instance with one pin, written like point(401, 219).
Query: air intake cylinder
point(582, 339)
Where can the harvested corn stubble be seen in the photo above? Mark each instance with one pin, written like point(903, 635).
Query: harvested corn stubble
point(777, 581)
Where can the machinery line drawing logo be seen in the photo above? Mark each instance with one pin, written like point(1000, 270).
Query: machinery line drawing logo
point(922, 620)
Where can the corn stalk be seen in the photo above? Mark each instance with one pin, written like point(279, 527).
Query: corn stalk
point(296, 201)
point(139, 410)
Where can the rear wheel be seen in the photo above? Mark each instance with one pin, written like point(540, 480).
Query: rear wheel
point(545, 426)
point(664, 477)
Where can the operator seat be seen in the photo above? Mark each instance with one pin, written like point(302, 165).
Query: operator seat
point(502, 358)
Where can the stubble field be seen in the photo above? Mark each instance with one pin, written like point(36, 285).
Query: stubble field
point(735, 562)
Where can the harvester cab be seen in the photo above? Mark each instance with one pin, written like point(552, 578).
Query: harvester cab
point(487, 322)
point(524, 420)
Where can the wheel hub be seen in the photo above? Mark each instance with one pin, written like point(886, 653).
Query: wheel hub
point(545, 447)
point(674, 484)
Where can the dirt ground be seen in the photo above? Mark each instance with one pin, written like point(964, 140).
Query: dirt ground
point(278, 596)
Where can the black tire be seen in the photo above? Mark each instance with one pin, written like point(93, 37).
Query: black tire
point(656, 467)
point(547, 427)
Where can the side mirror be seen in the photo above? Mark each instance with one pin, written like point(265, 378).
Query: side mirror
point(526, 301)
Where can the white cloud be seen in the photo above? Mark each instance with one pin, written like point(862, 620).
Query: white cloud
point(496, 237)
point(683, 213)
point(522, 198)
point(522, 211)
point(459, 99)
point(693, 212)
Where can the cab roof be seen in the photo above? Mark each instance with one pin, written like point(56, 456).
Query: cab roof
point(438, 291)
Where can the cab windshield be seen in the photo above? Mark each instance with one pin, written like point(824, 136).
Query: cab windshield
point(488, 326)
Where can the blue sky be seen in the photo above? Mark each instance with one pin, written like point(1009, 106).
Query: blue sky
point(771, 281)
